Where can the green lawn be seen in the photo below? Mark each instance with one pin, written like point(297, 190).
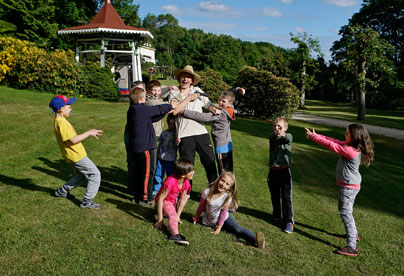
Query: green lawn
point(44, 235)
point(346, 111)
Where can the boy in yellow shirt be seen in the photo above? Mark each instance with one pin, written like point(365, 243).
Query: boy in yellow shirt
point(74, 153)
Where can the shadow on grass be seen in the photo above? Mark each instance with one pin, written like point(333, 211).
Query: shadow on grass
point(112, 178)
point(28, 184)
point(299, 230)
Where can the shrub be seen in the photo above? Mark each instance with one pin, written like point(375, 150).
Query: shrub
point(98, 83)
point(267, 95)
point(23, 65)
point(212, 83)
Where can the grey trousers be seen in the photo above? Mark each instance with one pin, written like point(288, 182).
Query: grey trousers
point(345, 207)
point(85, 171)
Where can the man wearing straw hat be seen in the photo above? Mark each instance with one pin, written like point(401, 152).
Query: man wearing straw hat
point(192, 136)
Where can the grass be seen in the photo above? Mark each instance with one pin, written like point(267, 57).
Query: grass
point(346, 111)
point(44, 235)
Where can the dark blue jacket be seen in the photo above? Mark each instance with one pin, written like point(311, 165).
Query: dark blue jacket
point(139, 125)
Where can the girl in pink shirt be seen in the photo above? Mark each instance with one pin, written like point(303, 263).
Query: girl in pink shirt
point(166, 198)
point(356, 150)
point(215, 202)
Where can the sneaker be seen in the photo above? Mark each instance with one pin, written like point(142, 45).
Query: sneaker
point(59, 192)
point(89, 204)
point(260, 240)
point(180, 239)
point(348, 251)
point(154, 194)
point(289, 228)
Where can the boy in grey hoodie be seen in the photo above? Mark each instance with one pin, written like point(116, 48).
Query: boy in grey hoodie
point(220, 128)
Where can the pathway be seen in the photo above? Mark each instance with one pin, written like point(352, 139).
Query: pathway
point(385, 131)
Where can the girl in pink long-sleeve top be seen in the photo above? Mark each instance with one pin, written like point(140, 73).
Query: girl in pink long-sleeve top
point(166, 198)
point(215, 202)
point(356, 150)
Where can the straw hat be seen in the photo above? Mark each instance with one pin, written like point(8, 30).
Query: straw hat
point(187, 69)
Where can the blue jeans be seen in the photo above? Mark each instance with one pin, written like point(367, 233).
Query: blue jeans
point(345, 207)
point(231, 226)
point(163, 167)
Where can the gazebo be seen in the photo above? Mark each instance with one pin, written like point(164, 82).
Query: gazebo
point(107, 34)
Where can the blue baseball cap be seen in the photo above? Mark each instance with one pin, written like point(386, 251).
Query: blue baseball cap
point(60, 101)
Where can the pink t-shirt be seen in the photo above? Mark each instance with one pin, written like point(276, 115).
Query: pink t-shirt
point(171, 186)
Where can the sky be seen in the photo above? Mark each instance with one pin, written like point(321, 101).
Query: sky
point(261, 20)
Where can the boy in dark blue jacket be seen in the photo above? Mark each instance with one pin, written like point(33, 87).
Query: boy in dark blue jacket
point(142, 139)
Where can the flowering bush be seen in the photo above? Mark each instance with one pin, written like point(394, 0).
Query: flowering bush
point(24, 65)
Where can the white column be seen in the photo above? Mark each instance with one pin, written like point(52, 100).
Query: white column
point(77, 51)
point(102, 62)
point(134, 69)
point(139, 66)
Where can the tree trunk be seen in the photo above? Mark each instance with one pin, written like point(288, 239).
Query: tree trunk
point(303, 88)
point(362, 92)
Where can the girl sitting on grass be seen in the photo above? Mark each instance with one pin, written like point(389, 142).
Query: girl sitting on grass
point(215, 203)
point(166, 198)
point(357, 149)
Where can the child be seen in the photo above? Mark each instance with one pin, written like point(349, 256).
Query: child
point(129, 157)
point(167, 153)
point(142, 139)
point(220, 128)
point(74, 153)
point(215, 203)
point(357, 149)
point(153, 99)
point(279, 177)
point(166, 199)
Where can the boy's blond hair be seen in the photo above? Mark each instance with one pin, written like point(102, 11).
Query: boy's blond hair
point(229, 95)
point(138, 83)
point(281, 119)
point(152, 84)
point(136, 94)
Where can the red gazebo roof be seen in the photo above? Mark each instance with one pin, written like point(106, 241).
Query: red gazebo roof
point(107, 20)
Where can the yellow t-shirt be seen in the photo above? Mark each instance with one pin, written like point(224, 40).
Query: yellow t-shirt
point(64, 131)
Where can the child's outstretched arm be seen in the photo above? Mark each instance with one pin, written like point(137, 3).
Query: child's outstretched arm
point(162, 196)
point(201, 208)
point(183, 201)
point(220, 221)
point(91, 132)
point(180, 106)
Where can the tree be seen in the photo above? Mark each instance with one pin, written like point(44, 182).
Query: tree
point(128, 12)
point(306, 45)
point(361, 49)
point(33, 19)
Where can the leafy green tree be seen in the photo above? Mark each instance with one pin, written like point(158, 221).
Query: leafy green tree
point(306, 46)
point(386, 18)
point(359, 50)
point(33, 19)
point(212, 83)
point(128, 12)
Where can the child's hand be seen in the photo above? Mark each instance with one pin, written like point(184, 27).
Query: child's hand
point(159, 224)
point(174, 104)
point(95, 133)
point(193, 97)
point(175, 88)
point(216, 232)
point(178, 141)
point(309, 133)
point(195, 219)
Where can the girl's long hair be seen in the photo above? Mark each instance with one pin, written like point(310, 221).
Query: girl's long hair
point(182, 167)
point(361, 140)
point(232, 193)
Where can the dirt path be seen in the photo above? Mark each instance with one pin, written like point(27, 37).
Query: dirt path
point(385, 131)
